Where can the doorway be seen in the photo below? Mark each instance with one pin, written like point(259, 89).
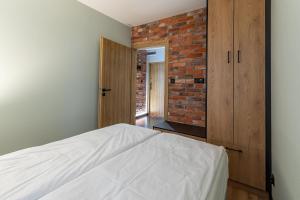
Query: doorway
point(151, 86)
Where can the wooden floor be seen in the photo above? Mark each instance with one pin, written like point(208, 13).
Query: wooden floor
point(238, 191)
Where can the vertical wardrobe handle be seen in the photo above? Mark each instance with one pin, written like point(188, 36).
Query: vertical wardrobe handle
point(239, 56)
point(228, 57)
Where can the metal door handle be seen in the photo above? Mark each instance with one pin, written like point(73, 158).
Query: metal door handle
point(239, 56)
point(106, 90)
point(228, 57)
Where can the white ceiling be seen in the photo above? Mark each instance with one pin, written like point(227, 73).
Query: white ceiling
point(137, 12)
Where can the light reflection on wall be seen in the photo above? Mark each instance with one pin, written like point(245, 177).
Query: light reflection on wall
point(12, 82)
point(9, 85)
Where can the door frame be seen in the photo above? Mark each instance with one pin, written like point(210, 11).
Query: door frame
point(153, 44)
point(100, 84)
point(133, 85)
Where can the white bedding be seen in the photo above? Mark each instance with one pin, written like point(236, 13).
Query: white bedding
point(32, 173)
point(163, 167)
point(218, 188)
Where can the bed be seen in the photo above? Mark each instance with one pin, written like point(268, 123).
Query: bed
point(117, 162)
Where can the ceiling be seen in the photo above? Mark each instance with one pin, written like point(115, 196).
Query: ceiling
point(137, 12)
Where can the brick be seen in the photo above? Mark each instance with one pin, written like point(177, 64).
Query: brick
point(187, 60)
point(141, 81)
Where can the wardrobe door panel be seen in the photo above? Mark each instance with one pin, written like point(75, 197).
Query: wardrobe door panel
point(247, 167)
point(249, 89)
point(220, 71)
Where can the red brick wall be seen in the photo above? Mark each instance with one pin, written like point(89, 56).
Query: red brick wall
point(141, 81)
point(187, 60)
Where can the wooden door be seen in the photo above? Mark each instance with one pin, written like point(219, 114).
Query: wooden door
point(249, 92)
point(220, 72)
point(115, 84)
point(157, 89)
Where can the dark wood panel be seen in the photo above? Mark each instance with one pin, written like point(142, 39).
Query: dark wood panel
point(181, 128)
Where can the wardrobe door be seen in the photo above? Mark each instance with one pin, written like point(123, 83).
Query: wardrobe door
point(249, 91)
point(220, 72)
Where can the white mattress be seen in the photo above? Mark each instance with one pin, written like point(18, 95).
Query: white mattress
point(163, 167)
point(32, 173)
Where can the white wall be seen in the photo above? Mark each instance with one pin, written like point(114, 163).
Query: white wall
point(49, 52)
point(286, 98)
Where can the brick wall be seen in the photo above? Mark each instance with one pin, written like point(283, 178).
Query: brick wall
point(187, 60)
point(141, 81)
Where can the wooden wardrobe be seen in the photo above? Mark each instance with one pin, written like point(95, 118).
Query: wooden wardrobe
point(236, 86)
